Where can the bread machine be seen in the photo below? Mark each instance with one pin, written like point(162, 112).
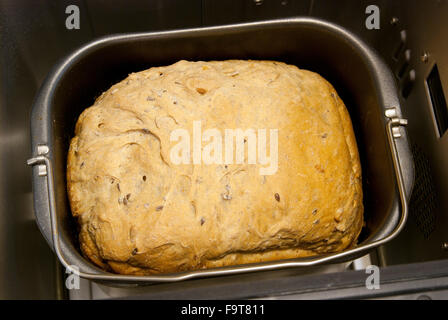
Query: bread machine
point(392, 79)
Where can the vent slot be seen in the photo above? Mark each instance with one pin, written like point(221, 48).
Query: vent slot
point(403, 66)
point(408, 83)
point(424, 203)
point(438, 101)
point(401, 45)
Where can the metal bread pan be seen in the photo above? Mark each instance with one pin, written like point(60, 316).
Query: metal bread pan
point(363, 81)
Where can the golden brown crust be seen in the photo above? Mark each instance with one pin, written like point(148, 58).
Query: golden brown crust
point(141, 214)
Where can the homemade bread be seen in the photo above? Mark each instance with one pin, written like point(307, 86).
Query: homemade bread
point(140, 213)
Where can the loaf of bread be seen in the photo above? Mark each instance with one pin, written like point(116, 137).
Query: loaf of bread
point(146, 205)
